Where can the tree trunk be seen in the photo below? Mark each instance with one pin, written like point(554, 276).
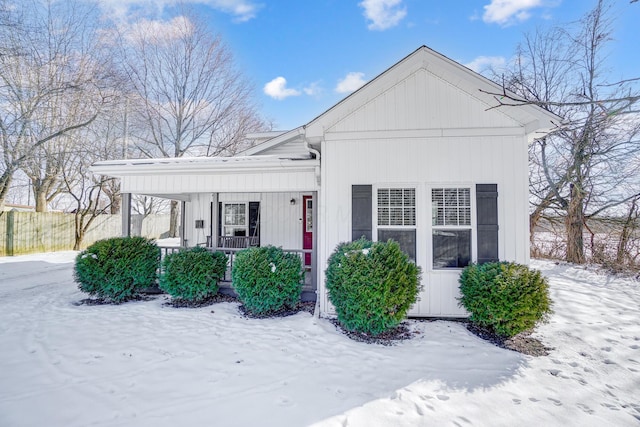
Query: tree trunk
point(115, 204)
point(5, 183)
point(40, 197)
point(173, 219)
point(574, 224)
point(79, 232)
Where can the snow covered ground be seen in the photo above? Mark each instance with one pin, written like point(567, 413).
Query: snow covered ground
point(146, 364)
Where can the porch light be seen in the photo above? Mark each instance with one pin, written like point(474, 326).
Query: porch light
point(292, 201)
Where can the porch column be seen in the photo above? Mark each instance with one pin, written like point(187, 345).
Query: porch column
point(183, 240)
point(125, 212)
point(213, 215)
point(314, 237)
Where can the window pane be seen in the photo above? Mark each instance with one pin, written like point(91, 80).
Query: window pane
point(383, 216)
point(405, 238)
point(395, 215)
point(409, 197)
point(235, 214)
point(451, 248)
point(395, 197)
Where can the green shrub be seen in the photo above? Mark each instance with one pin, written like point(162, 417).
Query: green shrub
point(267, 279)
point(505, 297)
point(117, 269)
point(371, 285)
point(192, 274)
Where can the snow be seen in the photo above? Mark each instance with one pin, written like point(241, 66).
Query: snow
point(147, 364)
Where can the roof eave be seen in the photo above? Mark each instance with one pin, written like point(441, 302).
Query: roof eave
point(127, 168)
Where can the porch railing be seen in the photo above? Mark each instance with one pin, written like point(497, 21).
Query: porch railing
point(241, 242)
point(231, 254)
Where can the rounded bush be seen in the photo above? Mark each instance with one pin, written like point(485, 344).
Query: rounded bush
point(267, 279)
point(505, 297)
point(117, 269)
point(371, 285)
point(192, 274)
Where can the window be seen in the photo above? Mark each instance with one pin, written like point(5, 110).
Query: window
point(235, 219)
point(397, 217)
point(397, 206)
point(451, 221)
point(308, 223)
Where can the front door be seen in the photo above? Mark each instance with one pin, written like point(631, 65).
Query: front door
point(307, 227)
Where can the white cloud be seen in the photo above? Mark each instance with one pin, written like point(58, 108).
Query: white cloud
point(506, 12)
point(313, 89)
point(482, 63)
point(350, 82)
point(241, 10)
point(383, 14)
point(277, 89)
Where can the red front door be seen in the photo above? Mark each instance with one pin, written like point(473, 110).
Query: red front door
point(307, 227)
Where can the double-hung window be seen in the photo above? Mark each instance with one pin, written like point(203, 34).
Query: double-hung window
point(397, 217)
point(451, 227)
point(235, 219)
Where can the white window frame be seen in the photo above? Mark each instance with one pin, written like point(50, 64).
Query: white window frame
point(431, 227)
point(396, 185)
point(229, 229)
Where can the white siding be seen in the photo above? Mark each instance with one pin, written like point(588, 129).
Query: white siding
point(282, 222)
point(189, 184)
point(422, 101)
point(293, 148)
point(198, 208)
point(424, 163)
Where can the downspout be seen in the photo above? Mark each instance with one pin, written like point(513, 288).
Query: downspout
point(314, 152)
point(316, 310)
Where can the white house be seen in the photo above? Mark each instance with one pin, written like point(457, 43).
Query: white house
point(417, 155)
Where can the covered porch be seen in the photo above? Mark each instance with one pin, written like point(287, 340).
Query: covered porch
point(230, 204)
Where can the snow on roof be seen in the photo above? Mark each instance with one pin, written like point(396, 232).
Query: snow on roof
point(200, 164)
point(198, 160)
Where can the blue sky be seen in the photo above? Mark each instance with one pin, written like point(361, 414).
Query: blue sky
point(303, 56)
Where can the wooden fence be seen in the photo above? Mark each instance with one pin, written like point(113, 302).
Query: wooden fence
point(31, 232)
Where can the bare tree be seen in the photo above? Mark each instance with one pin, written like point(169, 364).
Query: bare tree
point(49, 88)
point(190, 96)
point(88, 194)
point(584, 168)
point(143, 206)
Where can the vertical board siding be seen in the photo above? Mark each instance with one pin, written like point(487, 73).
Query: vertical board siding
point(427, 162)
point(281, 222)
point(229, 182)
point(421, 101)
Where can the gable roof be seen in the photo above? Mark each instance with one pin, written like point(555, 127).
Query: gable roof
point(535, 120)
point(280, 139)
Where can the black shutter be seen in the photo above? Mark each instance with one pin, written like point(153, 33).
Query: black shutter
point(254, 219)
point(361, 216)
point(487, 218)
